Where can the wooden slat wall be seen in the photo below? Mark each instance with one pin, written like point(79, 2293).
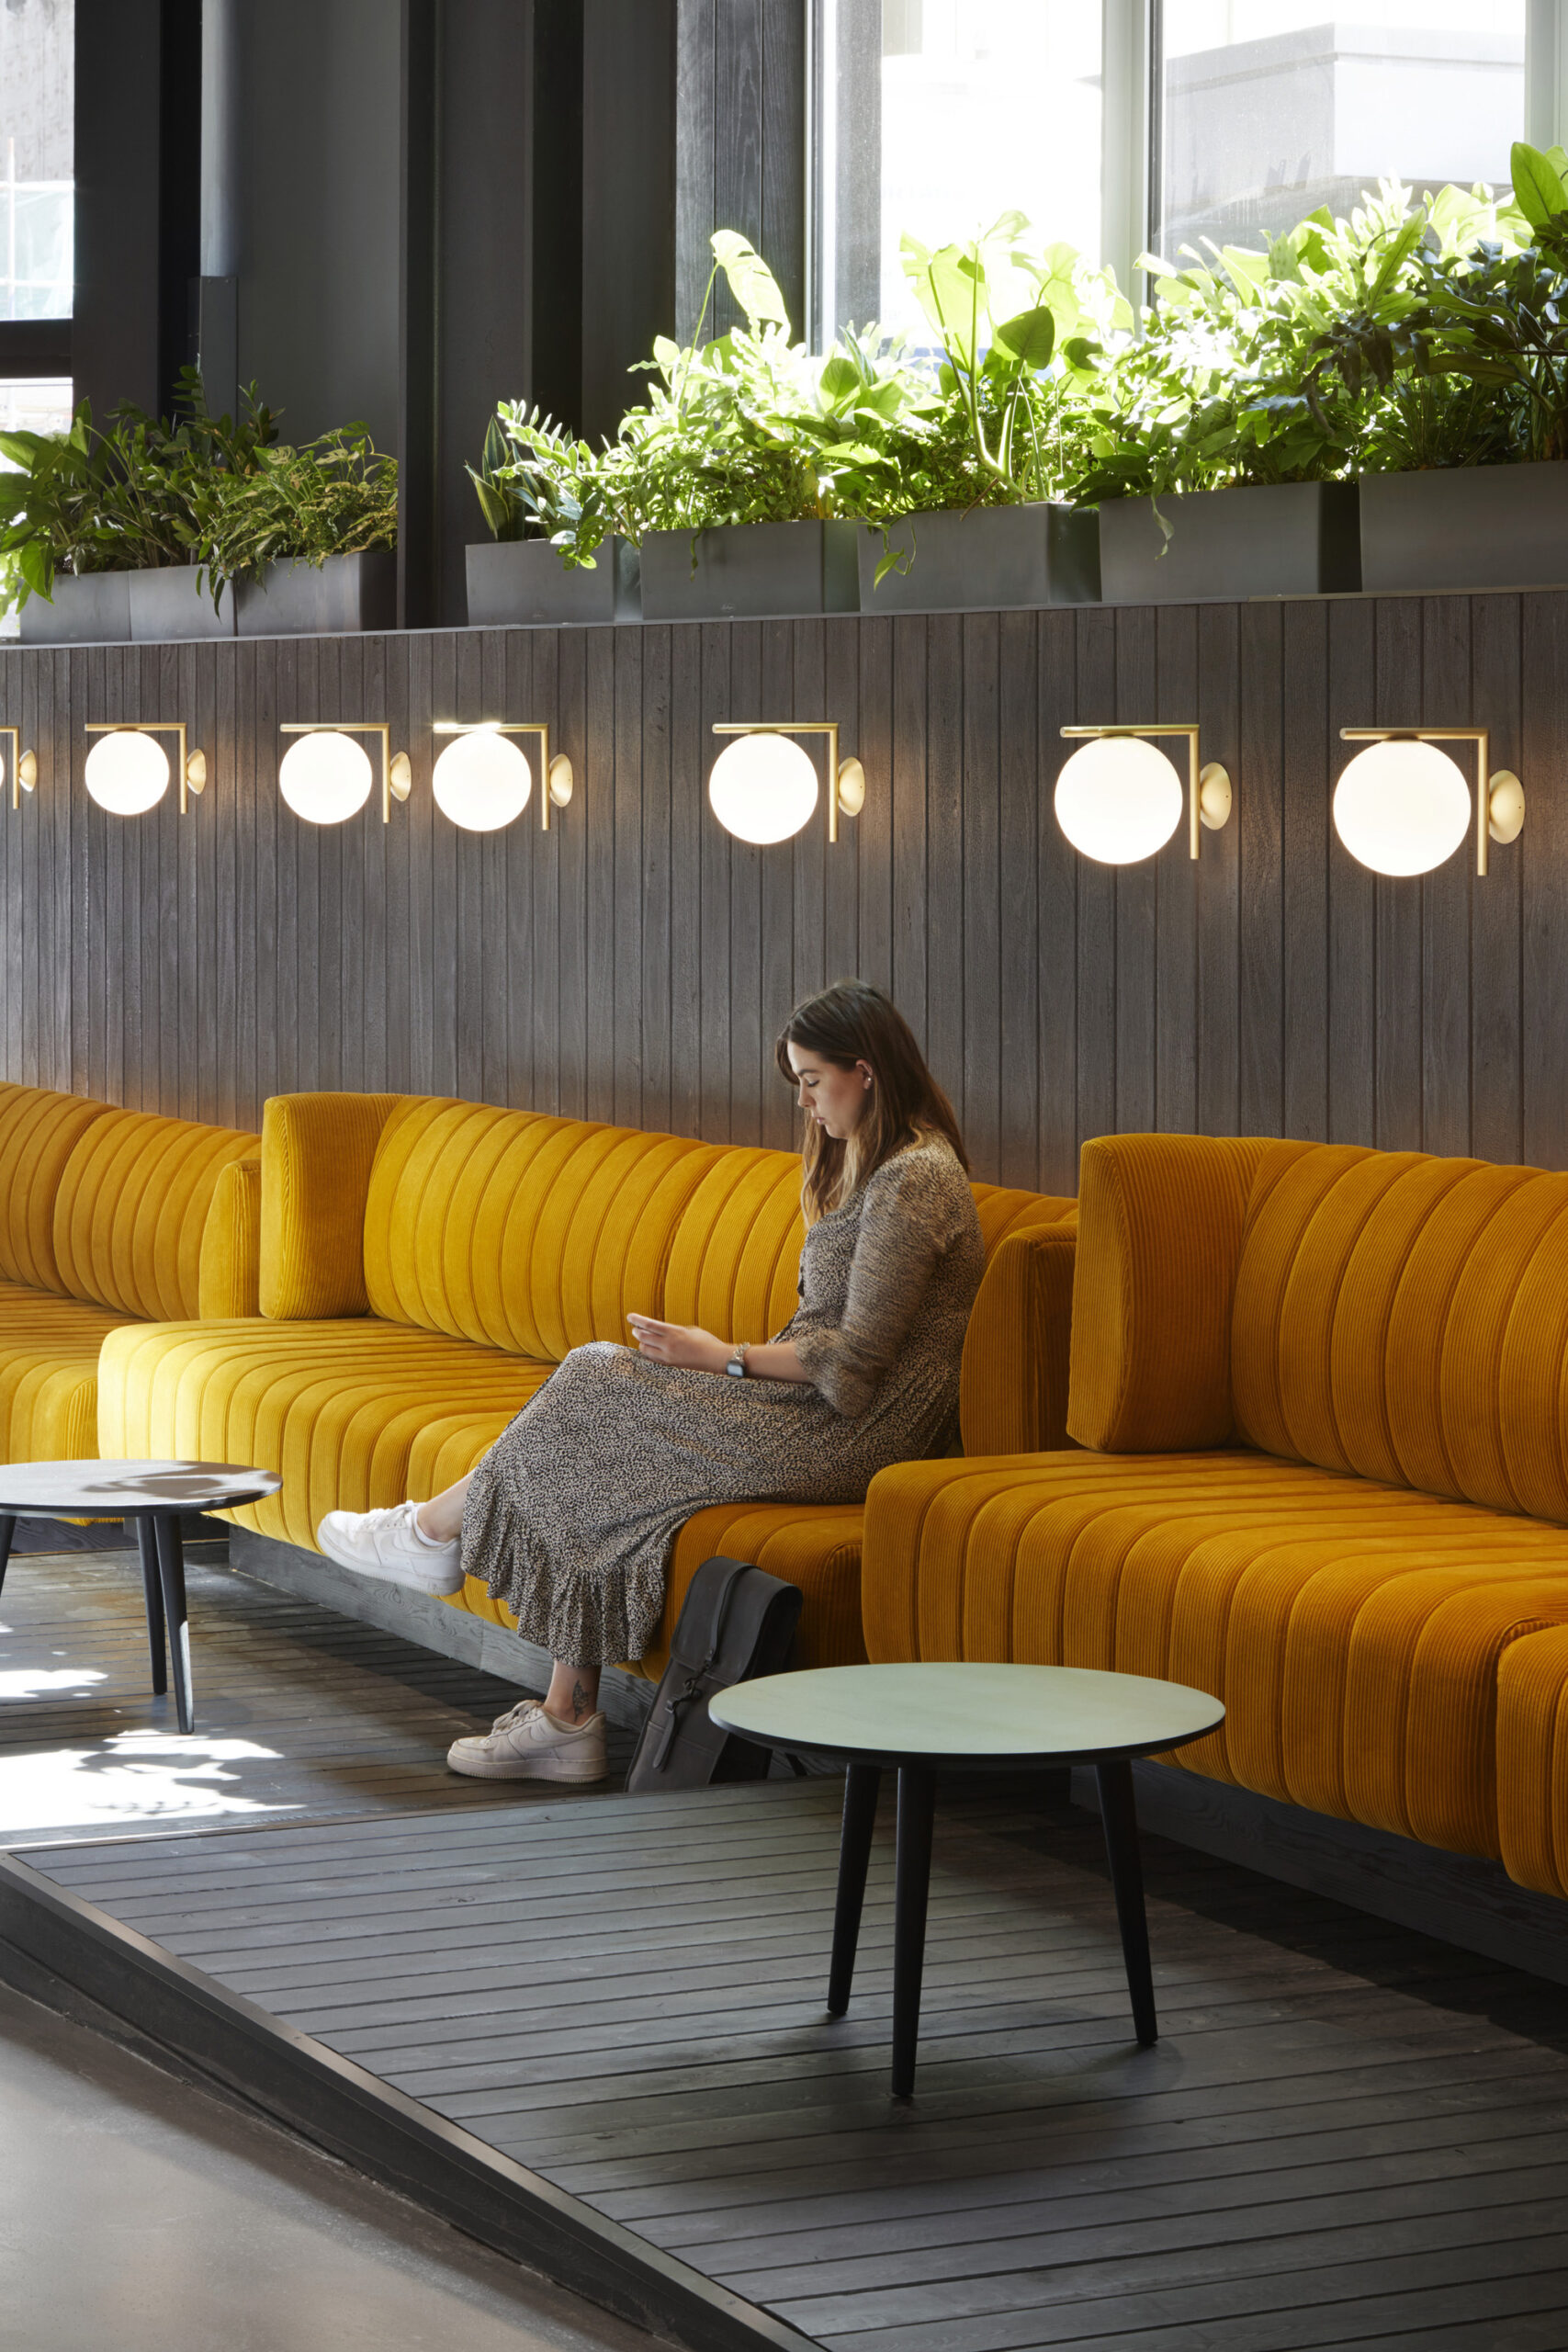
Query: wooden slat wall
point(634, 964)
point(740, 148)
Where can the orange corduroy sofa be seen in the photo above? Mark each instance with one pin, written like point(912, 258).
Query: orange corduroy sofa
point(425, 1264)
point(1322, 1395)
point(107, 1218)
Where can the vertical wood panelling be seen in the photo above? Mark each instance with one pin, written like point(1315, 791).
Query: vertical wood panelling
point(634, 963)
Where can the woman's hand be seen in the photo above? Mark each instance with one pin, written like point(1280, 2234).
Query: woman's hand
point(679, 1343)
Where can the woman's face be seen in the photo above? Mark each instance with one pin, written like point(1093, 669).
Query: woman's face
point(835, 1098)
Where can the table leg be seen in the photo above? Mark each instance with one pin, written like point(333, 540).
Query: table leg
point(147, 1545)
point(171, 1577)
point(912, 1876)
point(1119, 1814)
point(7, 1530)
point(862, 1784)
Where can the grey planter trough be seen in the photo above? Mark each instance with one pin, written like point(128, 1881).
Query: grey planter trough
point(1466, 526)
point(92, 610)
point(167, 607)
point(514, 583)
point(1295, 538)
point(986, 558)
point(345, 595)
point(750, 571)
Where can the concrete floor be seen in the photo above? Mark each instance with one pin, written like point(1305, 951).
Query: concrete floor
point(145, 2213)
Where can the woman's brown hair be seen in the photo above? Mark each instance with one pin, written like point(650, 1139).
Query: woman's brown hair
point(849, 1023)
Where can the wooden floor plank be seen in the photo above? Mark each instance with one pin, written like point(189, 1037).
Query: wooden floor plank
point(1348, 2135)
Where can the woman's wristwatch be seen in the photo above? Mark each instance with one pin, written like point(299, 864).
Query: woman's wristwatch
point(736, 1367)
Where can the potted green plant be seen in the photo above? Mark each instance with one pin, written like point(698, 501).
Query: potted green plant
point(724, 476)
point(967, 512)
point(308, 537)
point(58, 555)
point(550, 556)
point(1464, 463)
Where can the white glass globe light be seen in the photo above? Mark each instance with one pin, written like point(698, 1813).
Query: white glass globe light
point(127, 774)
point(1401, 807)
point(763, 788)
point(1118, 799)
point(481, 781)
point(325, 778)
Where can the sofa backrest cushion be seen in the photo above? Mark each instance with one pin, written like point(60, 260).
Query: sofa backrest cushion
point(130, 1211)
point(1406, 1318)
point(39, 1131)
point(519, 1231)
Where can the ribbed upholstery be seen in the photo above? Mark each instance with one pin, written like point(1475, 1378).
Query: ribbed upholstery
point(39, 1131)
point(353, 1415)
point(426, 1261)
point(229, 1280)
point(130, 1211)
point(1532, 1760)
point(533, 1234)
point(49, 1374)
point(317, 1154)
point(1351, 1630)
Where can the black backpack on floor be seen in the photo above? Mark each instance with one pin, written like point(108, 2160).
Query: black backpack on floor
point(736, 1622)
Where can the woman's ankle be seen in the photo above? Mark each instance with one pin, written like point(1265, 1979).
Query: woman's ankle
point(422, 1524)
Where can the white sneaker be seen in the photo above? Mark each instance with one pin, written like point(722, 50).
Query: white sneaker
point(387, 1545)
point(525, 1743)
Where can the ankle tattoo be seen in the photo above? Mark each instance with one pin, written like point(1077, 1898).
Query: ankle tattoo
point(581, 1704)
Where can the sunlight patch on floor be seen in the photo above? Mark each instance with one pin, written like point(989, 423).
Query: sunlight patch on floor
point(137, 1776)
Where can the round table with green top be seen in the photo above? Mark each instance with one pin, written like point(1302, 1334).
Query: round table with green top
point(919, 1719)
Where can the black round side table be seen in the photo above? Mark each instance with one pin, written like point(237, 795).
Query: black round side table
point(151, 1496)
point(920, 1718)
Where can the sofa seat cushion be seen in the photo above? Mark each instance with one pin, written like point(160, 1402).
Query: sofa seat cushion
point(353, 1414)
point(1532, 1760)
point(1352, 1628)
point(49, 1374)
point(815, 1546)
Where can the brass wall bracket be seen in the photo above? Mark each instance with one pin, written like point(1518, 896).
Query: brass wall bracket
point(1499, 796)
point(556, 777)
point(397, 775)
point(23, 765)
point(193, 764)
point(1209, 793)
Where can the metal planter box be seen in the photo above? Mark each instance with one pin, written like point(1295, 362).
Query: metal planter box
point(341, 597)
point(167, 607)
point(516, 582)
point(985, 559)
point(1466, 526)
point(750, 571)
point(94, 610)
point(1297, 539)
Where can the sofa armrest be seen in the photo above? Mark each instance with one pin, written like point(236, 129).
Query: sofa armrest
point(229, 1280)
point(317, 1154)
point(1161, 1220)
point(1013, 1387)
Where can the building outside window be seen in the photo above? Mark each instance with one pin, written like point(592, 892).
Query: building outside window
point(1233, 118)
point(36, 86)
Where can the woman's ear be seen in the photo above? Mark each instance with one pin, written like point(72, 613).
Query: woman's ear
point(868, 1076)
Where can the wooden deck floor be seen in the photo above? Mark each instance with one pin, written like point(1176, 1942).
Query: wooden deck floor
point(300, 1712)
point(1346, 2136)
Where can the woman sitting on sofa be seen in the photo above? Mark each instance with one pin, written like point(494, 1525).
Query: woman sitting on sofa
point(569, 1515)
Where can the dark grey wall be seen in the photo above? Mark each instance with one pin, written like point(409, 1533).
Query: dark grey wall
point(629, 200)
point(634, 963)
point(741, 134)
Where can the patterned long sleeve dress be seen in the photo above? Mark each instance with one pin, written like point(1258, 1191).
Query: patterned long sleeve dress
point(570, 1515)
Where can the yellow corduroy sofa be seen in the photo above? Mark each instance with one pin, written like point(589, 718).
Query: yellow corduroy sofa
point(425, 1264)
point(1322, 1397)
point(107, 1216)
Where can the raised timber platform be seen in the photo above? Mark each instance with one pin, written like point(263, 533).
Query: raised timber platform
point(594, 2034)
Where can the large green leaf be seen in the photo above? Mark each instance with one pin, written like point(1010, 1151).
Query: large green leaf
point(1538, 184)
point(1031, 337)
point(751, 282)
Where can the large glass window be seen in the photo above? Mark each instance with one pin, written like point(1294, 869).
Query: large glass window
point(1270, 107)
point(36, 86)
point(934, 116)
